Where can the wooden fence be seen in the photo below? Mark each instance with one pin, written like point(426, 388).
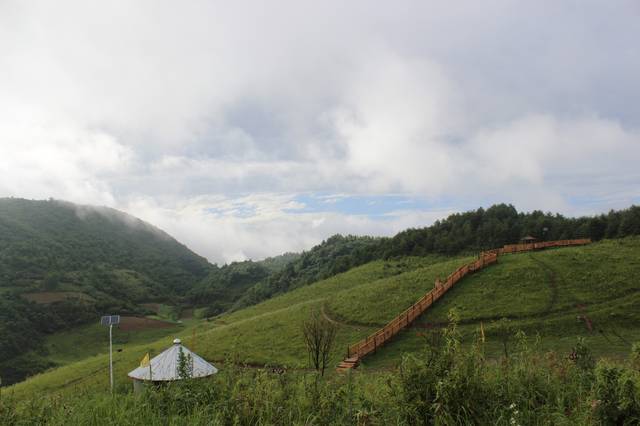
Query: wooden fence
point(486, 258)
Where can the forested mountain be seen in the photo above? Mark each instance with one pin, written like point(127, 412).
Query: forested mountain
point(42, 242)
point(79, 262)
point(225, 285)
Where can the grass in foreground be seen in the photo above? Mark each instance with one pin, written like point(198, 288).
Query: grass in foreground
point(442, 383)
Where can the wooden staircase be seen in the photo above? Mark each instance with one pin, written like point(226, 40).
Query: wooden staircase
point(371, 343)
point(347, 364)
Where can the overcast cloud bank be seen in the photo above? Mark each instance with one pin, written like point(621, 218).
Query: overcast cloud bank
point(215, 122)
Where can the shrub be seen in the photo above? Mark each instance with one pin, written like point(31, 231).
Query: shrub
point(635, 356)
point(616, 398)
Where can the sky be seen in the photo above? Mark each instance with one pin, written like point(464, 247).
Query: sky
point(247, 129)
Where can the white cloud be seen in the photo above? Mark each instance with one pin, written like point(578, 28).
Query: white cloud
point(39, 159)
point(397, 116)
point(540, 160)
point(216, 226)
point(167, 110)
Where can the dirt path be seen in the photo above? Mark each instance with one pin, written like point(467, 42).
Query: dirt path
point(553, 282)
point(357, 326)
point(325, 316)
point(581, 309)
point(140, 323)
point(552, 279)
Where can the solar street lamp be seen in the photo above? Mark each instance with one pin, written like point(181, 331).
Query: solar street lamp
point(110, 320)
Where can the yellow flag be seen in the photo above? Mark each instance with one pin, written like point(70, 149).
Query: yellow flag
point(145, 361)
point(482, 331)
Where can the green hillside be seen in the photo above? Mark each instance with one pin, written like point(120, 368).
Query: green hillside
point(267, 333)
point(45, 242)
point(591, 292)
point(62, 265)
point(543, 292)
point(224, 286)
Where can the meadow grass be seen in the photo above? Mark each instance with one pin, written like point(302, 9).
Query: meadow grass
point(441, 383)
point(591, 292)
point(268, 333)
point(357, 277)
point(93, 339)
point(379, 301)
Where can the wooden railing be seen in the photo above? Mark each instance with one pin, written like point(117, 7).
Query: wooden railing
point(486, 258)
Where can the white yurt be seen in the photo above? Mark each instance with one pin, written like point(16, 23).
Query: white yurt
point(166, 367)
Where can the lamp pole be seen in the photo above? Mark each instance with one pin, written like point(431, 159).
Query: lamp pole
point(111, 356)
point(110, 320)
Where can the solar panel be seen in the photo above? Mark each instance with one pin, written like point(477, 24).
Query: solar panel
point(110, 320)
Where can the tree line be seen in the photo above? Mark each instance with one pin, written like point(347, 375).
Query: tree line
point(468, 232)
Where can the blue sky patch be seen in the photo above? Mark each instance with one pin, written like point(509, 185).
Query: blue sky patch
point(367, 205)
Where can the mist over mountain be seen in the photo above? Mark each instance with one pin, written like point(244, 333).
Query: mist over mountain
point(41, 238)
point(63, 264)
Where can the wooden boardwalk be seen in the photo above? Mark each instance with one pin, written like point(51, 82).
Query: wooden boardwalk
point(371, 343)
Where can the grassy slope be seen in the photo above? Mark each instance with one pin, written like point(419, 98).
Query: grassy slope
point(89, 340)
point(542, 292)
point(380, 301)
point(547, 293)
point(265, 333)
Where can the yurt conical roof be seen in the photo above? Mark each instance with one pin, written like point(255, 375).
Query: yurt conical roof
point(165, 366)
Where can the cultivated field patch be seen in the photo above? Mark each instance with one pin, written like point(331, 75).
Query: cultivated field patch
point(139, 323)
point(47, 297)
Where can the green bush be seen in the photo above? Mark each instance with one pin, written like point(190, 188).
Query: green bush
point(635, 356)
point(616, 395)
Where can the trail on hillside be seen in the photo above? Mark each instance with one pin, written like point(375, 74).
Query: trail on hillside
point(553, 283)
point(552, 280)
point(562, 302)
point(536, 315)
point(358, 326)
point(580, 306)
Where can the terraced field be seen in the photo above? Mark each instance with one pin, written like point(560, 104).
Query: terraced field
point(559, 294)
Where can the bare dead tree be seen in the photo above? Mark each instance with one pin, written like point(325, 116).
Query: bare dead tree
point(319, 335)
